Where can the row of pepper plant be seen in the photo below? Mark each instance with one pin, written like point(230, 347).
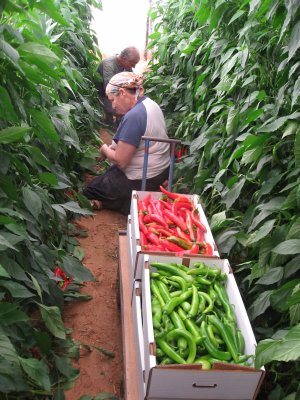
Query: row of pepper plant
point(49, 113)
point(226, 73)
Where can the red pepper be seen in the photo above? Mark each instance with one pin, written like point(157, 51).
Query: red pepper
point(141, 224)
point(157, 218)
point(180, 242)
point(143, 239)
point(142, 207)
point(169, 194)
point(182, 235)
point(190, 227)
point(151, 229)
point(196, 221)
point(147, 199)
point(179, 204)
point(199, 235)
point(152, 238)
point(59, 273)
point(165, 233)
point(169, 246)
point(208, 249)
point(165, 204)
point(176, 220)
point(182, 199)
point(194, 249)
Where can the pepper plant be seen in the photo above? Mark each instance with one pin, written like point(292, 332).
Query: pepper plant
point(226, 74)
point(49, 114)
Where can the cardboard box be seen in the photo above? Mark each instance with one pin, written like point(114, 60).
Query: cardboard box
point(189, 382)
point(134, 231)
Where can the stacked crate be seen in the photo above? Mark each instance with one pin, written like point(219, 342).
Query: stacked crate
point(183, 381)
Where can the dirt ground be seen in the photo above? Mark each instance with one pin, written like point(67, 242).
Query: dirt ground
point(97, 322)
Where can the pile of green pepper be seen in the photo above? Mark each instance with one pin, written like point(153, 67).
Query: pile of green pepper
point(193, 320)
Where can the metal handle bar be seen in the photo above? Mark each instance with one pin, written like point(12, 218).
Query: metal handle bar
point(173, 143)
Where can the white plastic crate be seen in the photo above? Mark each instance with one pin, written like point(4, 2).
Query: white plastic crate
point(134, 231)
point(189, 382)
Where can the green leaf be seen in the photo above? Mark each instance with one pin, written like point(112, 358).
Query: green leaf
point(274, 275)
point(39, 157)
point(73, 268)
point(297, 149)
point(16, 290)
point(105, 396)
point(291, 246)
point(7, 110)
point(294, 43)
point(237, 15)
point(38, 50)
point(45, 124)
point(74, 207)
point(13, 134)
point(9, 51)
point(278, 123)
point(5, 244)
point(3, 272)
point(37, 370)
point(286, 296)
point(260, 304)
point(262, 232)
point(36, 285)
point(52, 318)
point(11, 314)
point(32, 202)
point(49, 178)
point(233, 194)
point(296, 91)
point(49, 8)
point(286, 349)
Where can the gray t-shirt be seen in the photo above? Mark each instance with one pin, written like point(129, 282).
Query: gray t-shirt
point(144, 119)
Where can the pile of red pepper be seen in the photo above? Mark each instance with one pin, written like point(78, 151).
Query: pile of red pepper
point(65, 282)
point(171, 224)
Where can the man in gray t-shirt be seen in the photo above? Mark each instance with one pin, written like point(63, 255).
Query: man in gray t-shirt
point(125, 61)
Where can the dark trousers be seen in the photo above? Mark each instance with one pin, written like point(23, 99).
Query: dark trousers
point(114, 189)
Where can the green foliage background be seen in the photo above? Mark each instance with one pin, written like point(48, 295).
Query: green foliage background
point(226, 73)
point(49, 114)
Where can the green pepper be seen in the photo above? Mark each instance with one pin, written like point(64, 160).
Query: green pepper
point(202, 280)
point(159, 352)
point(178, 324)
point(205, 363)
point(223, 297)
point(156, 312)
point(169, 351)
point(155, 290)
point(172, 270)
point(167, 323)
point(226, 335)
point(174, 334)
point(176, 301)
point(166, 361)
point(179, 280)
point(195, 303)
point(176, 293)
point(220, 355)
point(186, 306)
point(164, 291)
point(209, 301)
point(240, 341)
